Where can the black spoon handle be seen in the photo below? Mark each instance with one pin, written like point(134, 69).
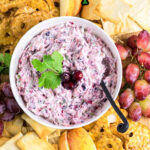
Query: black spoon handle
point(122, 127)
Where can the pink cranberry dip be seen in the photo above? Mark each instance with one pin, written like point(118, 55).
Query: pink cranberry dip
point(82, 50)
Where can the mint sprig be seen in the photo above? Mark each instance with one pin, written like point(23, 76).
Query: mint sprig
point(4, 63)
point(50, 68)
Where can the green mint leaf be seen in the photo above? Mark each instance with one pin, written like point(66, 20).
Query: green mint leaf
point(54, 62)
point(49, 80)
point(38, 65)
point(7, 59)
point(1, 68)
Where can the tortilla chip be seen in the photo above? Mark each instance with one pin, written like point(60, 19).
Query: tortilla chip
point(137, 136)
point(11, 144)
point(41, 130)
point(14, 126)
point(5, 132)
point(3, 140)
point(109, 141)
point(140, 13)
point(32, 141)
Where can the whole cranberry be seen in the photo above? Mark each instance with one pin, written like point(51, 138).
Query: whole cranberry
point(65, 77)
point(78, 75)
point(69, 85)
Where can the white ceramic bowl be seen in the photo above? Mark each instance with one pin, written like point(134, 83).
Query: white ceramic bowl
point(37, 29)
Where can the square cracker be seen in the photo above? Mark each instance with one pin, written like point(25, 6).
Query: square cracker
point(41, 130)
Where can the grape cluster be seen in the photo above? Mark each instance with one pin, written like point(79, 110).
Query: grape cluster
point(135, 95)
point(8, 105)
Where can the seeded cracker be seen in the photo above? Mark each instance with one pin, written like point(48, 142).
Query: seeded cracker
point(109, 141)
point(137, 136)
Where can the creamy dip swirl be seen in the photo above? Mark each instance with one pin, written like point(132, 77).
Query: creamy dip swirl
point(82, 50)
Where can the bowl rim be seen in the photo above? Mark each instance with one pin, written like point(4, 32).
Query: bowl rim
point(36, 28)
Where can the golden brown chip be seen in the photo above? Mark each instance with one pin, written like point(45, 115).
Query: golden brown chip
point(41, 130)
point(109, 141)
point(6, 37)
point(23, 22)
point(56, 133)
point(14, 126)
point(89, 126)
point(33, 142)
point(38, 4)
point(137, 136)
point(24, 10)
point(3, 140)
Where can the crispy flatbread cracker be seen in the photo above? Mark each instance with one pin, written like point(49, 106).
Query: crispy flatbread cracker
point(33, 142)
point(41, 130)
point(127, 26)
point(109, 141)
point(3, 140)
point(111, 10)
point(137, 136)
point(11, 144)
point(14, 126)
point(140, 13)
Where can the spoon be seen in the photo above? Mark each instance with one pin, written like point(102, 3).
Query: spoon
point(122, 127)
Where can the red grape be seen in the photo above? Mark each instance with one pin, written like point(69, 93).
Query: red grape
point(136, 52)
point(122, 51)
point(145, 105)
point(123, 82)
point(7, 116)
point(2, 107)
point(132, 73)
point(135, 111)
point(1, 128)
point(132, 41)
point(126, 98)
point(143, 41)
point(144, 59)
point(147, 76)
point(12, 105)
point(6, 89)
point(141, 89)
